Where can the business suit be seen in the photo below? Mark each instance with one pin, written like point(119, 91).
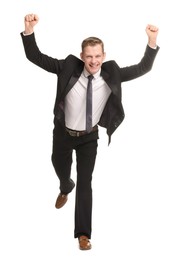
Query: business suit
point(68, 71)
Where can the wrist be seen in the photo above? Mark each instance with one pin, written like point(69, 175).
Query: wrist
point(28, 30)
point(152, 43)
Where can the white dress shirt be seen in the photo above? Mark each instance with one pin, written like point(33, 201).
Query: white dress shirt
point(75, 101)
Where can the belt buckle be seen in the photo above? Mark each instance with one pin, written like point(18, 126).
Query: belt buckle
point(72, 133)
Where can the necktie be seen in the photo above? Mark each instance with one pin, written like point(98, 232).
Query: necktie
point(89, 105)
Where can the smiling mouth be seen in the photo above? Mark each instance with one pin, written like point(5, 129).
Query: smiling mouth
point(93, 66)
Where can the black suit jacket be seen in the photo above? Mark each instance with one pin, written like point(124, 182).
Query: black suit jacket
point(69, 70)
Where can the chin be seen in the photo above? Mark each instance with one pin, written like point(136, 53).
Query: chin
point(93, 71)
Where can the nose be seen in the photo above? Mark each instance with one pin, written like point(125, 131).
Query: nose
point(93, 60)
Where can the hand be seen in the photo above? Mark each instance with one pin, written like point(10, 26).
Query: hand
point(30, 21)
point(152, 32)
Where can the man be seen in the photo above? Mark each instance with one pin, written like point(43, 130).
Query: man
point(78, 104)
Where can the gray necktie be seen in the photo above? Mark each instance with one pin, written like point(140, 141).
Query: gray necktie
point(89, 105)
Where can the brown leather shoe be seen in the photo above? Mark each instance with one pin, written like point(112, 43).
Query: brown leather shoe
point(61, 200)
point(84, 243)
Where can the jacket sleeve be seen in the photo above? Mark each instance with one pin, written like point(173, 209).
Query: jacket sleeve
point(34, 55)
point(144, 66)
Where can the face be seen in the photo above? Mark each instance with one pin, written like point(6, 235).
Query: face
point(93, 58)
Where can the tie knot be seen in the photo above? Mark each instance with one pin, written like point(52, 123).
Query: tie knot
point(90, 77)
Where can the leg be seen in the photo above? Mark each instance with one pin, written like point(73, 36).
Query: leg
point(86, 155)
point(62, 161)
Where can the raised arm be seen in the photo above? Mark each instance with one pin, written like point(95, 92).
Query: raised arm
point(146, 63)
point(32, 51)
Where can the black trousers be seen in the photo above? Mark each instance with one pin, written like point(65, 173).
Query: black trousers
point(86, 151)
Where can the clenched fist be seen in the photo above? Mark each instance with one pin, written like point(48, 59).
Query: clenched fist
point(30, 21)
point(152, 32)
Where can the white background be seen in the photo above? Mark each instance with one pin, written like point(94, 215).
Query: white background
point(134, 182)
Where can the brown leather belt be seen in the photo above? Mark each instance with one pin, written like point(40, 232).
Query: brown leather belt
point(75, 133)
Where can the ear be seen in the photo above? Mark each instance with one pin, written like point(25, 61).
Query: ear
point(81, 56)
point(104, 56)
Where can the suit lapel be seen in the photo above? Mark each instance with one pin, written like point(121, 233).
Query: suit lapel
point(73, 80)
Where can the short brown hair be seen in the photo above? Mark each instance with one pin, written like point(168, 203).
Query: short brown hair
point(92, 41)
